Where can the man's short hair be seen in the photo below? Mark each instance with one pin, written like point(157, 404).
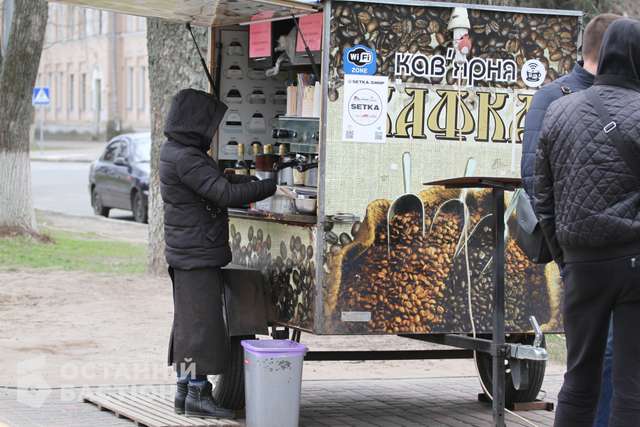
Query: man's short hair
point(593, 34)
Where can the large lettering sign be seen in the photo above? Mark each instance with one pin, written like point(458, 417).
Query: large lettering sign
point(449, 113)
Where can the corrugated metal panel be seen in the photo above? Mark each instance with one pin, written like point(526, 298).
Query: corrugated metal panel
point(202, 12)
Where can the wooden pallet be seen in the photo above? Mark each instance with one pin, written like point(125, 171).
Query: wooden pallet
point(150, 410)
point(536, 405)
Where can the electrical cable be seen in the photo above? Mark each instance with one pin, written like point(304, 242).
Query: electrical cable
point(466, 258)
point(202, 61)
point(473, 326)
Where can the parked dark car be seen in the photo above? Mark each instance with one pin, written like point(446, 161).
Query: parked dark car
point(120, 177)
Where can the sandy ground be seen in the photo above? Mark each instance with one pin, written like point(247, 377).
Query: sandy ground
point(77, 328)
point(61, 329)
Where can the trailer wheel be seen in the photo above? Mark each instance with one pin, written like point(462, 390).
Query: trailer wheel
point(536, 374)
point(229, 387)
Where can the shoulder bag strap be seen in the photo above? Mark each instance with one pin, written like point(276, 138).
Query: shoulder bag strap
point(610, 129)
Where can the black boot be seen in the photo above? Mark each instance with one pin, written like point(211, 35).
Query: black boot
point(200, 403)
point(181, 395)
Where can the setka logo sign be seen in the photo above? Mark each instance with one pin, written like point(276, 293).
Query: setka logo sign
point(365, 107)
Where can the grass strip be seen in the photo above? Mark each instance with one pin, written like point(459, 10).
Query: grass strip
point(73, 252)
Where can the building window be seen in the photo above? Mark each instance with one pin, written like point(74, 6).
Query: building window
point(104, 17)
point(129, 26)
point(142, 89)
point(59, 90)
point(71, 22)
point(83, 23)
point(60, 19)
point(83, 92)
point(90, 22)
point(48, 35)
point(71, 92)
point(51, 89)
point(55, 91)
point(142, 24)
point(97, 97)
point(87, 22)
point(56, 23)
point(129, 88)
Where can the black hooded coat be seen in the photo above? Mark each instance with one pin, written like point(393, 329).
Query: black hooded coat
point(196, 196)
point(195, 192)
point(586, 197)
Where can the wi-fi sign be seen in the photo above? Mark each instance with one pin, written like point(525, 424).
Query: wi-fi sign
point(533, 73)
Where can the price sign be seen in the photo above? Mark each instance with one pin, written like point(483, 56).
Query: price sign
point(311, 28)
point(260, 40)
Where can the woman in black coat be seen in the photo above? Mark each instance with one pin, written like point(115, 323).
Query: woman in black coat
point(196, 196)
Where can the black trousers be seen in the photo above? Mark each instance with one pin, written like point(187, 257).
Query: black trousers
point(593, 291)
point(199, 342)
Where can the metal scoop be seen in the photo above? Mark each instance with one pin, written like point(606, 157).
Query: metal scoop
point(408, 202)
point(507, 213)
point(462, 200)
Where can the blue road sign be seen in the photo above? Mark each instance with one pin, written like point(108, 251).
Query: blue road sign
point(40, 96)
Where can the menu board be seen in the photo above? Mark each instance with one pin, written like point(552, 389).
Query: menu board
point(311, 28)
point(254, 100)
point(260, 40)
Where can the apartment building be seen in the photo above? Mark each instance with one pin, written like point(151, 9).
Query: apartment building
point(95, 64)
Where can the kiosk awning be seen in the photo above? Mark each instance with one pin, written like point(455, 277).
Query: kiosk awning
point(203, 12)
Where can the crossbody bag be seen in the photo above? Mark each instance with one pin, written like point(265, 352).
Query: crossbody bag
point(610, 128)
point(529, 234)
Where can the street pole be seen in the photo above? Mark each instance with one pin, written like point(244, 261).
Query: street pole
point(41, 144)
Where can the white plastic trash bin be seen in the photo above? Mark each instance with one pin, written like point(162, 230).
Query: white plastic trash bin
point(273, 379)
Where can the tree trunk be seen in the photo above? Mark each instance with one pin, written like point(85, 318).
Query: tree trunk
point(17, 78)
point(173, 65)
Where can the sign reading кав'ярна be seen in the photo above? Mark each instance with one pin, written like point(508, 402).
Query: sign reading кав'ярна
point(469, 72)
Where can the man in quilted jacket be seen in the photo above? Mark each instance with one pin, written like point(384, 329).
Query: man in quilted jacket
point(579, 79)
point(587, 198)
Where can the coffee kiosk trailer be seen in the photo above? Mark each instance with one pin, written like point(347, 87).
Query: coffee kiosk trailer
point(411, 92)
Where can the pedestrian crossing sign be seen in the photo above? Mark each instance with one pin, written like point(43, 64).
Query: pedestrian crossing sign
point(40, 96)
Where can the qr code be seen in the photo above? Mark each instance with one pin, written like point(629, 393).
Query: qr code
point(378, 136)
point(348, 134)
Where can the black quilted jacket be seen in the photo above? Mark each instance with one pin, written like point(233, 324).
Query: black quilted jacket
point(579, 79)
point(195, 192)
point(586, 197)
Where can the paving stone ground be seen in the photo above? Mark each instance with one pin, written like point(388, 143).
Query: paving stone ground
point(432, 402)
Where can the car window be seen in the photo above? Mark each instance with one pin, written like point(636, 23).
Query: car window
point(122, 150)
point(141, 150)
point(111, 151)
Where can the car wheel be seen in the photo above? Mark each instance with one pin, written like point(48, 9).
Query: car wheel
point(96, 202)
point(535, 374)
point(229, 386)
point(139, 207)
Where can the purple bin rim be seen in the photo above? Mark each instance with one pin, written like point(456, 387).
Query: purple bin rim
point(274, 348)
